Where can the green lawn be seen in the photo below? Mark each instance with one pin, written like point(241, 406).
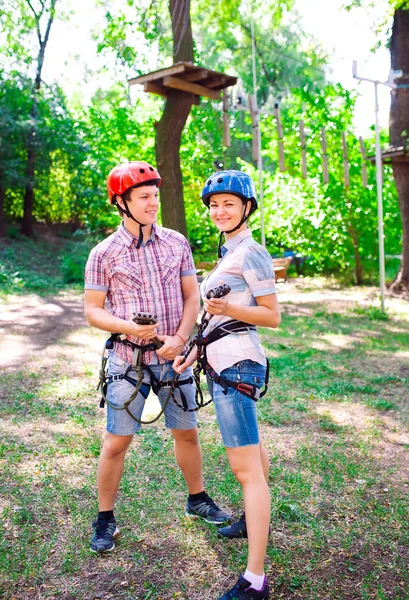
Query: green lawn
point(335, 423)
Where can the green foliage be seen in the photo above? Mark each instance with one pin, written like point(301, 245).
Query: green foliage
point(223, 42)
point(78, 144)
point(73, 260)
point(331, 224)
point(42, 265)
point(113, 131)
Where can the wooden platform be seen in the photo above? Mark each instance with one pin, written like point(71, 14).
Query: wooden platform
point(185, 77)
point(396, 154)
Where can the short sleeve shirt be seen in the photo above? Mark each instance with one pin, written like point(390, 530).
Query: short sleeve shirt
point(247, 268)
point(146, 280)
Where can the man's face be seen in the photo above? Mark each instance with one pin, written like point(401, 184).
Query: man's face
point(144, 204)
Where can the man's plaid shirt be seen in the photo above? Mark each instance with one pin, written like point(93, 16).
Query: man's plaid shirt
point(147, 280)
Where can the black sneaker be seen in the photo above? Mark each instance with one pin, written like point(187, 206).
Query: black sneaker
point(103, 538)
point(235, 530)
point(207, 510)
point(243, 591)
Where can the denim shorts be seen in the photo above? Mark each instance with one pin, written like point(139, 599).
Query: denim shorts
point(236, 413)
point(119, 422)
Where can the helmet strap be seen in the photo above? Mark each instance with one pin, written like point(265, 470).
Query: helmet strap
point(219, 247)
point(243, 220)
point(141, 225)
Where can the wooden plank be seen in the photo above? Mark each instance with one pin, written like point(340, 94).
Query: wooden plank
point(324, 155)
point(190, 88)
point(280, 266)
point(303, 151)
point(173, 70)
point(151, 88)
point(256, 127)
point(195, 75)
point(280, 137)
point(226, 121)
point(364, 170)
point(345, 155)
point(214, 82)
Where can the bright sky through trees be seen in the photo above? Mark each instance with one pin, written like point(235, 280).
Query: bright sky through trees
point(349, 36)
point(73, 61)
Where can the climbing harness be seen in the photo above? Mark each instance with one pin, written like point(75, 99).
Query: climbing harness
point(138, 366)
point(233, 326)
point(201, 341)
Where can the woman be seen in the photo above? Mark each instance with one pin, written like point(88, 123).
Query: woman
point(237, 359)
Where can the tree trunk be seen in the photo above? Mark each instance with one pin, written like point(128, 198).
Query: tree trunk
point(2, 215)
point(27, 225)
point(399, 136)
point(170, 127)
point(358, 264)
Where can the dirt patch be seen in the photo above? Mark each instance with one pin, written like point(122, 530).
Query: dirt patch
point(30, 324)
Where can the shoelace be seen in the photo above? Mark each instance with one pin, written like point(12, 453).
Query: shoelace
point(232, 595)
point(100, 530)
point(210, 505)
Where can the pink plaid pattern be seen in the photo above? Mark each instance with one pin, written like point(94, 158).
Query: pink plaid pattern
point(146, 280)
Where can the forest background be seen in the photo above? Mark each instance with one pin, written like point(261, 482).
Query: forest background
point(56, 151)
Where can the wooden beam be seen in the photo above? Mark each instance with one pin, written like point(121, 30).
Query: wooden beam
point(195, 75)
point(226, 120)
point(178, 68)
point(190, 88)
point(324, 155)
point(215, 81)
point(345, 155)
point(303, 150)
point(151, 88)
point(364, 170)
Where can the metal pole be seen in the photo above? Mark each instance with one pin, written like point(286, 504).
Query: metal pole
point(378, 162)
point(259, 157)
point(379, 181)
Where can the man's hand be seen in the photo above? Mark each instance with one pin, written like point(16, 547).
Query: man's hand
point(145, 332)
point(172, 346)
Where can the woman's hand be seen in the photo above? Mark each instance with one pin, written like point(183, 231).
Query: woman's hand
point(180, 364)
point(216, 306)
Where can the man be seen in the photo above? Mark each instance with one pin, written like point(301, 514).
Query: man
point(147, 269)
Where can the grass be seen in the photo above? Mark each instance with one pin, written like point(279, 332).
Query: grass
point(335, 425)
point(43, 265)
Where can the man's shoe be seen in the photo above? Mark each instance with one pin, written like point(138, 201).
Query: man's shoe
point(235, 530)
point(103, 538)
point(207, 510)
point(243, 591)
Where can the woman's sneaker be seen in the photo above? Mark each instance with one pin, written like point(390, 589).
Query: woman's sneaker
point(104, 534)
point(208, 510)
point(243, 591)
point(235, 530)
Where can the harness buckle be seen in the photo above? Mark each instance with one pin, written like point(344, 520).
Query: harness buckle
point(249, 390)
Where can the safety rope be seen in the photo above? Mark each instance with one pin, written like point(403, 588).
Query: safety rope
point(199, 340)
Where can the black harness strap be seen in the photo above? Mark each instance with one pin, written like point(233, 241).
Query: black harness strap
point(221, 331)
point(249, 390)
point(140, 387)
point(234, 326)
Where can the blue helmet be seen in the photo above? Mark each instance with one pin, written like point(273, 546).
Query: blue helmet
point(231, 182)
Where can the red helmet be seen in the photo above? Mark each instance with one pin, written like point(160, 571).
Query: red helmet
point(129, 174)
